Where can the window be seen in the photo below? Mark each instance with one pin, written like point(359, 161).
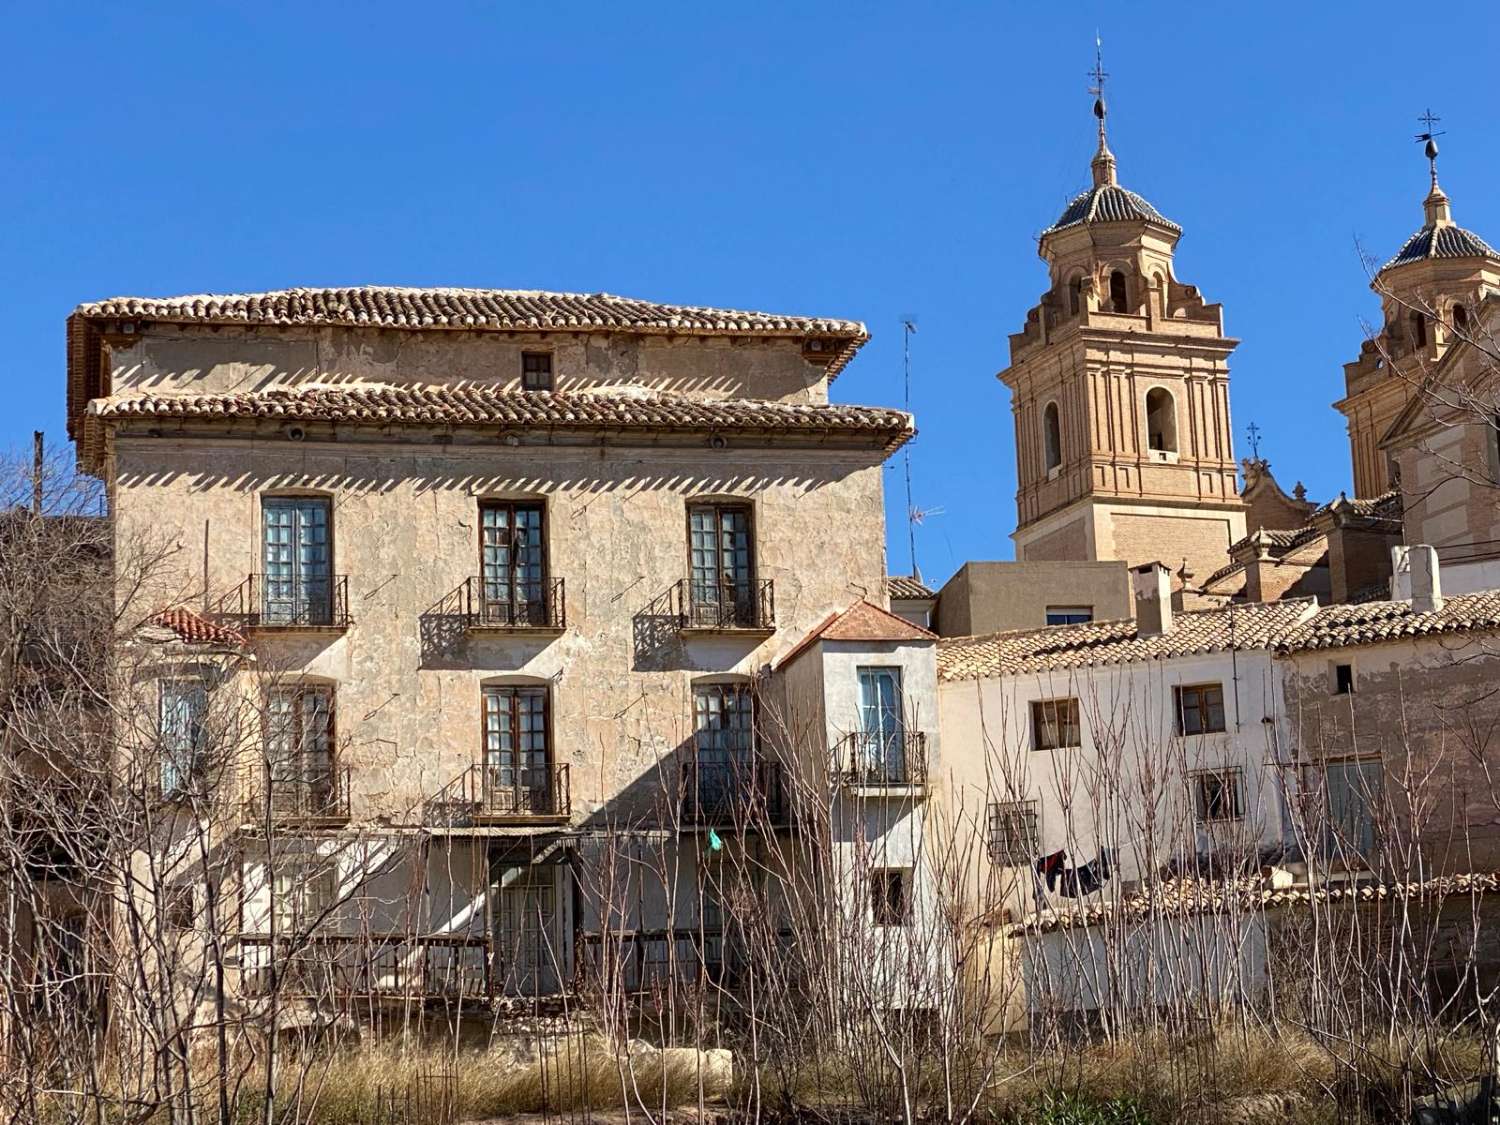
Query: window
point(1218, 795)
point(517, 754)
point(179, 908)
point(1075, 296)
point(526, 931)
point(1051, 437)
point(304, 891)
point(890, 897)
point(513, 564)
point(298, 561)
point(299, 747)
point(1460, 319)
point(1418, 330)
point(1200, 709)
point(184, 741)
point(1119, 299)
point(1069, 614)
point(1161, 419)
point(1013, 833)
point(1343, 679)
point(882, 726)
point(724, 746)
point(1054, 724)
point(721, 564)
point(536, 371)
point(1352, 790)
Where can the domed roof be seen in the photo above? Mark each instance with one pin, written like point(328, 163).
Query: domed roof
point(1109, 203)
point(1434, 241)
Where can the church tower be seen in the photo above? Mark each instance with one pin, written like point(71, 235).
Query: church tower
point(1119, 386)
point(1429, 293)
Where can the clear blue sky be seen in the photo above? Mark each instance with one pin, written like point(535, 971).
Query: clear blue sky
point(863, 160)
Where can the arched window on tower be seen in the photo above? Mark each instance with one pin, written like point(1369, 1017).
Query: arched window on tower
point(1418, 330)
point(1460, 320)
point(1161, 420)
point(1119, 299)
point(1075, 296)
point(1051, 437)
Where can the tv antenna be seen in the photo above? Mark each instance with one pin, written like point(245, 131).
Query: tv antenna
point(913, 516)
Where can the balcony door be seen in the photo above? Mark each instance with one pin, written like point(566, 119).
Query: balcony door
point(722, 579)
point(882, 725)
point(299, 748)
point(517, 763)
point(298, 561)
point(724, 737)
point(512, 561)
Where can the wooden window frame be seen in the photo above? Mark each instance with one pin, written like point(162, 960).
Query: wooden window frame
point(512, 506)
point(1231, 781)
point(1202, 706)
point(299, 693)
point(530, 380)
point(753, 565)
point(885, 910)
point(1040, 719)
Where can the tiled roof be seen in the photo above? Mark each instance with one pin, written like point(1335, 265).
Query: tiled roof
point(390, 306)
point(1109, 203)
point(1177, 897)
point(1445, 241)
point(1060, 647)
point(862, 621)
point(482, 405)
point(904, 586)
point(192, 629)
point(1339, 626)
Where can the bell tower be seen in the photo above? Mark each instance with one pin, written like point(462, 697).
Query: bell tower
point(1119, 386)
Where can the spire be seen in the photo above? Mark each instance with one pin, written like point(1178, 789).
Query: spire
point(1103, 163)
point(1435, 206)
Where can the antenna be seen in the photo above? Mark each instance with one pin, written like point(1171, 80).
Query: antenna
point(913, 517)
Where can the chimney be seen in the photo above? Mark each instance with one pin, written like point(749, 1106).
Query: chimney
point(1152, 586)
point(1426, 582)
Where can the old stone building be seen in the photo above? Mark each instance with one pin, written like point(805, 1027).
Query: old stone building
point(1119, 387)
point(511, 571)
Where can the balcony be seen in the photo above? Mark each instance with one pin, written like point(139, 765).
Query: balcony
point(647, 961)
point(720, 794)
point(394, 966)
point(319, 604)
point(730, 607)
point(298, 801)
point(533, 607)
point(493, 795)
point(889, 762)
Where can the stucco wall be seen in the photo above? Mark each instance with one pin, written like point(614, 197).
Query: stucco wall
point(986, 597)
point(405, 532)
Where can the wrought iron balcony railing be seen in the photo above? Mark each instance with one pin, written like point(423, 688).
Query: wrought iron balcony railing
point(744, 792)
point(725, 606)
point(882, 759)
point(536, 605)
point(433, 966)
point(324, 797)
point(268, 602)
point(655, 960)
point(487, 793)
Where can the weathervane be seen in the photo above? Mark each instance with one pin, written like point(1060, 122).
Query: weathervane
point(1098, 74)
point(1429, 119)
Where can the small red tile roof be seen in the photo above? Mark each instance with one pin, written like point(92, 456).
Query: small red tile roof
point(906, 586)
point(196, 630)
point(862, 621)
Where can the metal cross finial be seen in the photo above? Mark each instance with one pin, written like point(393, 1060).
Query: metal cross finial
point(1098, 74)
point(1254, 431)
point(1429, 119)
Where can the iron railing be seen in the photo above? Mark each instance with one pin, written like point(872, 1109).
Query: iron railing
point(262, 602)
point(430, 966)
point(730, 604)
point(486, 792)
point(651, 960)
point(324, 797)
point(737, 792)
point(514, 605)
point(880, 759)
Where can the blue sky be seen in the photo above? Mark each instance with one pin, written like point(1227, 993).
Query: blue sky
point(864, 160)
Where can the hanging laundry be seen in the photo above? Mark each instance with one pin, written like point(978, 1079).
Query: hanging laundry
point(1048, 867)
point(1078, 882)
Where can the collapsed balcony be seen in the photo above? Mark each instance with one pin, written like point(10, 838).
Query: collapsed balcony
point(268, 602)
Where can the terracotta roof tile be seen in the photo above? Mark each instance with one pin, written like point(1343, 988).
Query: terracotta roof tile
point(904, 586)
point(862, 621)
point(1059, 647)
point(481, 405)
point(1339, 626)
point(192, 629)
point(391, 306)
